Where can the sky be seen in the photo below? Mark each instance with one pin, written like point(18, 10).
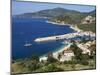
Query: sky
point(27, 7)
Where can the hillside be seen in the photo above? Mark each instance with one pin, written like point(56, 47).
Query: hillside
point(65, 16)
point(49, 13)
point(88, 23)
point(92, 13)
point(73, 17)
point(87, 27)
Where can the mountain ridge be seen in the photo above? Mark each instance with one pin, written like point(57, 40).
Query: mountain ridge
point(49, 13)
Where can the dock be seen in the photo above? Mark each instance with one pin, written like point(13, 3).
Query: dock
point(65, 36)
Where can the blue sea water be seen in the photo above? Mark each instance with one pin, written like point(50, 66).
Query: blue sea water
point(28, 29)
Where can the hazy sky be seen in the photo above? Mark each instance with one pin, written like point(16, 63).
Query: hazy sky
point(24, 7)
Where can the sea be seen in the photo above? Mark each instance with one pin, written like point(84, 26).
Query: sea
point(28, 29)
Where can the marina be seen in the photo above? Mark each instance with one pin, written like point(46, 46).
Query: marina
point(65, 36)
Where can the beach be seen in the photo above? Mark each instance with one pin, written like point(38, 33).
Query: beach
point(75, 28)
point(70, 35)
point(56, 52)
point(38, 28)
point(58, 23)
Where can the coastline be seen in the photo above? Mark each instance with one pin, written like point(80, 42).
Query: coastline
point(58, 23)
point(64, 47)
point(55, 52)
point(75, 28)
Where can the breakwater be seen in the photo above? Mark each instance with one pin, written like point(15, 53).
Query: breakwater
point(65, 36)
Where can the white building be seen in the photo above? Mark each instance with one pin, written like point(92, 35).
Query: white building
point(68, 54)
point(84, 48)
point(43, 58)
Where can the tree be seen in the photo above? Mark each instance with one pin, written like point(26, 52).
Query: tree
point(81, 58)
point(51, 60)
point(51, 68)
point(93, 51)
point(34, 57)
point(50, 54)
point(32, 65)
point(59, 56)
point(77, 51)
point(84, 59)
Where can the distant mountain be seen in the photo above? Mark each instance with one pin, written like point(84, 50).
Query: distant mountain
point(49, 13)
point(62, 14)
point(92, 13)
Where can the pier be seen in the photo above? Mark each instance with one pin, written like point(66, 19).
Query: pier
point(65, 36)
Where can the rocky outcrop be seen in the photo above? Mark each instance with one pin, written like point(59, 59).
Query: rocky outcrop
point(88, 20)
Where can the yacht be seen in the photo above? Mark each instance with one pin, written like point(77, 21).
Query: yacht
point(27, 44)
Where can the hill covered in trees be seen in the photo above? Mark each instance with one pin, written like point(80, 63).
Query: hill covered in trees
point(72, 17)
point(49, 13)
point(62, 15)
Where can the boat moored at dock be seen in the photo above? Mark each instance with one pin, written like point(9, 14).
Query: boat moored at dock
point(65, 36)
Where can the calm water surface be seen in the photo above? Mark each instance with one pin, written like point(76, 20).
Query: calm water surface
point(26, 30)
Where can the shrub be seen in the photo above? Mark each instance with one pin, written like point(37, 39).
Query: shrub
point(34, 57)
point(69, 62)
point(84, 62)
point(51, 68)
point(51, 60)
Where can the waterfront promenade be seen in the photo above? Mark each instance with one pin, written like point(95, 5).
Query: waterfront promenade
point(65, 36)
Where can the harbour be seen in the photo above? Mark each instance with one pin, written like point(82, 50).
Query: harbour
point(65, 36)
point(32, 28)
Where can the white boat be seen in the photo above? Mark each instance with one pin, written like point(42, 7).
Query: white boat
point(28, 45)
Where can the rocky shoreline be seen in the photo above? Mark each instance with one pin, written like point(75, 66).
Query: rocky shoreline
point(55, 53)
point(75, 28)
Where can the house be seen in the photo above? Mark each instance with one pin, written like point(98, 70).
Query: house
point(43, 58)
point(84, 48)
point(67, 55)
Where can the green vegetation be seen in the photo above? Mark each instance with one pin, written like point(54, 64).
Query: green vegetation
point(79, 57)
point(50, 68)
point(50, 13)
point(68, 18)
point(87, 27)
point(50, 58)
point(75, 19)
point(79, 62)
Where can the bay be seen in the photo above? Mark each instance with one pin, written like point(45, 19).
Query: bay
point(28, 29)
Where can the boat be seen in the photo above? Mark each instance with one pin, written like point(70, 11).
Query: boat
point(28, 44)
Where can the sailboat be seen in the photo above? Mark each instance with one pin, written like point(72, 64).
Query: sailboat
point(27, 44)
